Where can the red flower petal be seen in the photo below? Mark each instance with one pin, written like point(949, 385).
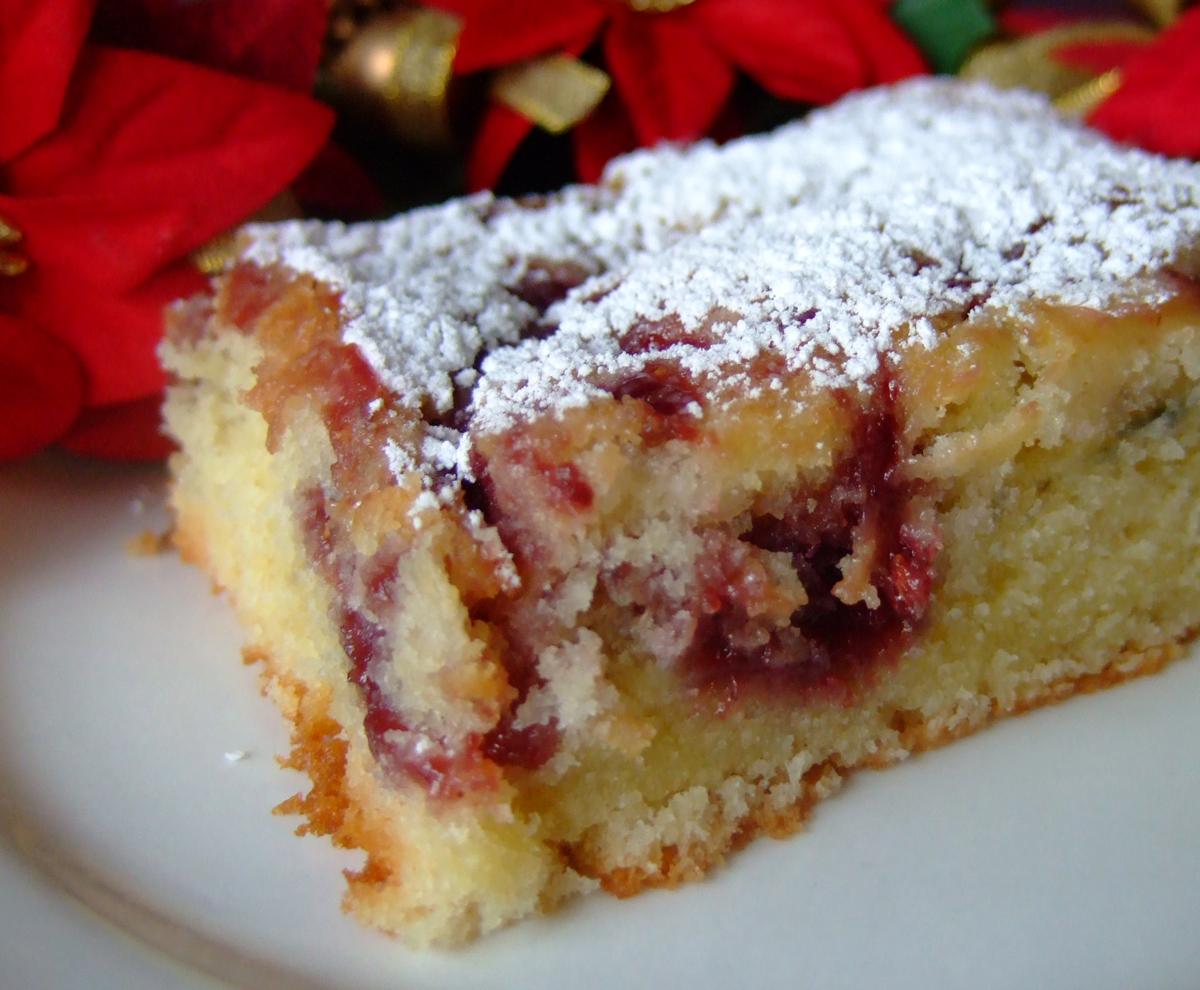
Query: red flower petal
point(795, 48)
point(39, 40)
point(153, 158)
point(127, 431)
point(810, 50)
point(888, 54)
point(672, 81)
point(114, 336)
point(276, 41)
point(1023, 21)
point(335, 185)
point(496, 34)
point(500, 133)
point(1158, 104)
point(41, 388)
point(605, 133)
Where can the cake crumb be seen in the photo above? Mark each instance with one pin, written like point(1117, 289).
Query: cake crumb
point(148, 543)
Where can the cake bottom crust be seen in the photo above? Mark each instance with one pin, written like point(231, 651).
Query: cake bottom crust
point(681, 865)
point(319, 752)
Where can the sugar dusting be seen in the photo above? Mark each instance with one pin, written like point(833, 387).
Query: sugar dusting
point(828, 243)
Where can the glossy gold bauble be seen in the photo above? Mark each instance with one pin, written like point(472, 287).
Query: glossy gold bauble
point(397, 69)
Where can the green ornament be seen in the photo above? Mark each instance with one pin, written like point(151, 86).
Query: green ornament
point(945, 30)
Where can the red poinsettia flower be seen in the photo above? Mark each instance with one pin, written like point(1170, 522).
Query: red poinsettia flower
point(275, 41)
point(114, 165)
point(1157, 105)
point(673, 70)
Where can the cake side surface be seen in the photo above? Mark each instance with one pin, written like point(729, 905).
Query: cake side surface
point(587, 538)
point(236, 510)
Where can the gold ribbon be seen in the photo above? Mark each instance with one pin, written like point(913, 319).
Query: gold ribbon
point(399, 67)
point(1030, 63)
point(218, 254)
point(1083, 100)
point(556, 91)
point(12, 261)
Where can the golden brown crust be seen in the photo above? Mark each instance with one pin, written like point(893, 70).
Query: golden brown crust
point(319, 750)
point(917, 736)
point(189, 541)
point(679, 866)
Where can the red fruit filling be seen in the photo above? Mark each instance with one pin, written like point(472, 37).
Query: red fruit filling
point(529, 747)
point(545, 282)
point(566, 484)
point(250, 292)
point(863, 546)
point(868, 522)
point(448, 768)
point(669, 396)
point(833, 644)
point(657, 335)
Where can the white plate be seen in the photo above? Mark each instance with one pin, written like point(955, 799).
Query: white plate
point(1061, 849)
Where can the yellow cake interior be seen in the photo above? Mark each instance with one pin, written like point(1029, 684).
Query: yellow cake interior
point(1057, 447)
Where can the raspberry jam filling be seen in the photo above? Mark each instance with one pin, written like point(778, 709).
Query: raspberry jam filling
point(669, 396)
point(547, 281)
point(861, 551)
point(864, 547)
point(338, 382)
point(447, 768)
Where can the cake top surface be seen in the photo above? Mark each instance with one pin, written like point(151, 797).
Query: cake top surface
point(829, 242)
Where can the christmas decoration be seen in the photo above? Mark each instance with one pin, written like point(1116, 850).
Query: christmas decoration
point(396, 70)
point(105, 190)
point(1124, 78)
point(1162, 12)
point(556, 92)
point(1157, 104)
point(1037, 62)
point(275, 41)
point(127, 163)
point(672, 64)
point(946, 30)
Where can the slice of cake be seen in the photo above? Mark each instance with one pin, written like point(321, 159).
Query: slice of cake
point(584, 538)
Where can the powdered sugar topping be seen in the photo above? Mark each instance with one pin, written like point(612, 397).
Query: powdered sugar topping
point(828, 242)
